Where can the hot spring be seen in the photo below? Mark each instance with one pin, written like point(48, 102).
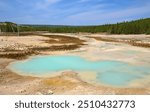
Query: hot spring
point(108, 72)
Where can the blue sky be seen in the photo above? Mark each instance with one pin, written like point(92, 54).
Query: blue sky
point(73, 12)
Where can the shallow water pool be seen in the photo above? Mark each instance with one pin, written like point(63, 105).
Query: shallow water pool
point(108, 72)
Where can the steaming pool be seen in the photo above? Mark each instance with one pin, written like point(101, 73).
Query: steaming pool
point(108, 72)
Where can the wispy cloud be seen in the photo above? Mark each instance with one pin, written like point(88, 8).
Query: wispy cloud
point(44, 4)
point(81, 1)
point(102, 15)
point(76, 12)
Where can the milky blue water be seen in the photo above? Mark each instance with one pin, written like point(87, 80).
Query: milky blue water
point(108, 72)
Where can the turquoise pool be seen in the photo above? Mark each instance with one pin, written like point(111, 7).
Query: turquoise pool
point(108, 72)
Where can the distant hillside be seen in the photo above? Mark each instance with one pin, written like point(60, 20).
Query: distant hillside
point(8, 27)
point(141, 26)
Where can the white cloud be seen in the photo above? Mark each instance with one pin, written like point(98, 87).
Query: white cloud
point(102, 15)
point(46, 3)
point(128, 12)
point(83, 1)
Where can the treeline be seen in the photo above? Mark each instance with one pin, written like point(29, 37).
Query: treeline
point(66, 29)
point(8, 27)
point(141, 26)
point(133, 27)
